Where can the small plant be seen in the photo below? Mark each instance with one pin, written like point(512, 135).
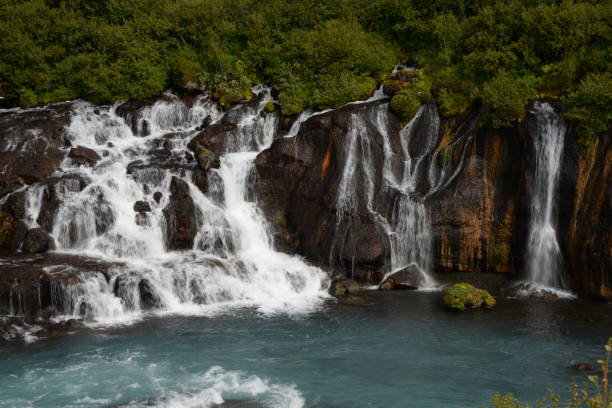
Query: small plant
point(594, 393)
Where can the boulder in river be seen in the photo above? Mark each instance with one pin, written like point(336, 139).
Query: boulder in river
point(343, 287)
point(462, 296)
point(407, 278)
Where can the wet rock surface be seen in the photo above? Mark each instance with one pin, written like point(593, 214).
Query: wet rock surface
point(179, 214)
point(299, 181)
point(26, 279)
point(84, 155)
point(31, 144)
point(407, 278)
point(37, 240)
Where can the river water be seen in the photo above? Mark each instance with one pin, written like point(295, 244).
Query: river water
point(405, 350)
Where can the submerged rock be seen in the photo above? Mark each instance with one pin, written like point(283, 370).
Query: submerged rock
point(344, 287)
point(463, 296)
point(582, 367)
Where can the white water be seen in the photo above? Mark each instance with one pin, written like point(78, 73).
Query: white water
point(218, 385)
point(544, 265)
point(232, 262)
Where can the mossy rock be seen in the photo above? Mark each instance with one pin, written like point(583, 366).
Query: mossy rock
point(341, 287)
point(393, 86)
point(270, 107)
point(404, 75)
point(406, 104)
point(462, 296)
point(228, 96)
point(6, 229)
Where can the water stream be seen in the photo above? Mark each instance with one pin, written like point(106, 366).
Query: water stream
point(544, 263)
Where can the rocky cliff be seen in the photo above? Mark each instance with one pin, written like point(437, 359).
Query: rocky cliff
point(475, 182)
point(353, 190)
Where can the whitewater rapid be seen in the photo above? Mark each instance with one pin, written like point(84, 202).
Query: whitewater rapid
point(232, 262)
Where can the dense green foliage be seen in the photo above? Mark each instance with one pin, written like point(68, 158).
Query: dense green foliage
point(316, 53)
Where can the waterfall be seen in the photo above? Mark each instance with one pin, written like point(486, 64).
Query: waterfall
point(407, 224)
point(410, 224)
point(544, 265)
point(232, 262)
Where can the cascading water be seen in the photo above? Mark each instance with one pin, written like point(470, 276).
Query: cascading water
point(407, 226)
point(232, 262)
point(544, 264)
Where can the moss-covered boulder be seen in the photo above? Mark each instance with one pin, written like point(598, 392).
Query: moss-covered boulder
point(463, 296)
point(270, 107)
point(341, 287)
point(228, 96)
point(206, 158)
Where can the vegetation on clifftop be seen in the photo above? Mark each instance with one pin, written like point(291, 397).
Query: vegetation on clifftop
point(316, 53)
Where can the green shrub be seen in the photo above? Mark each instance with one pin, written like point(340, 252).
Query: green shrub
point(315, 53)
point(591, 106)
point(504, 98)
point(186, 70)
point(408, 100)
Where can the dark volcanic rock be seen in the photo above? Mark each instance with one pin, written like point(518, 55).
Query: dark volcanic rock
point(31, 144)
point(341, 287)
point(37, 240)
point(26, 282)
point(299, 182)
point(407, 278)
point(142, 207)
point(181, 227)
point(206, 158)
point(212, 138)
point(200, 179)
point(149, 299)
point(84, 155)
point(157, 196)
point(12, 216)
point(56, 188)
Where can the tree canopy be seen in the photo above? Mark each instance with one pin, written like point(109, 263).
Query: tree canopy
point(497, 54)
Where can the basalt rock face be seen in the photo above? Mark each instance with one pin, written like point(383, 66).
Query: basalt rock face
point(479, 220)
point(475, 182)
point(585, 214)
point(300, 178)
